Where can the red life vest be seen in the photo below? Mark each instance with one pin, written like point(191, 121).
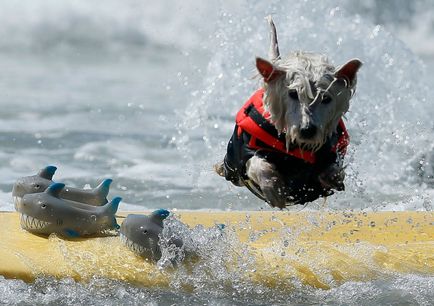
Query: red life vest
point(252, 119)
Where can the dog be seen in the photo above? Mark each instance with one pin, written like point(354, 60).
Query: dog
point(290, 139)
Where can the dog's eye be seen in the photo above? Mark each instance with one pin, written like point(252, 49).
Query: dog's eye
point(326, 99)
point(293, 94)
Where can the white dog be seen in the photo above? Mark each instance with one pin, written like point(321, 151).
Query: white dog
point(290, 139)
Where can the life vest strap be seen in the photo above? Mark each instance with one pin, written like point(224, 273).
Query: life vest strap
point(343, 140)
point(254, 188)
point(259, 119)
point(253, 120)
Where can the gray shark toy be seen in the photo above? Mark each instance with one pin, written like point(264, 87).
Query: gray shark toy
point(141, 234)
point(45, 213)
point(40, 182)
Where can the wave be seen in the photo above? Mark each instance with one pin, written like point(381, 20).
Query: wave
point(411, 21)
point(78, 26)
point(111, 26)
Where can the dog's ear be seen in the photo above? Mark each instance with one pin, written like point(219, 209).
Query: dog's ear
point(268, 71)
point(349, 70)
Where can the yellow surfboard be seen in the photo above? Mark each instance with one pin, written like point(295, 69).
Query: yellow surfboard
point(319, 249)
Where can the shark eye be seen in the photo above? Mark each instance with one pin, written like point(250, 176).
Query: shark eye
point(293, 95)
point(43, 205)
point(145, 232)
point(326, 99)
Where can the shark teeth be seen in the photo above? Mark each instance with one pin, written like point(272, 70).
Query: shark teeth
point(136, 248)
point(17, 201)
point(30, 223)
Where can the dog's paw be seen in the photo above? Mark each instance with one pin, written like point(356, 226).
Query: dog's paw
point(333, 177)
point(229, 174)
point(219, 168)
point(275, 193)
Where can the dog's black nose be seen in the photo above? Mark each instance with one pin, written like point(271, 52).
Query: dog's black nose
point(308, 131)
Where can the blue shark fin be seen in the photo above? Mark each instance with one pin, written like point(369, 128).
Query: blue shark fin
point(47, 172)
point(160, 214)
point(113, 205)
point(103, 188)
point(221, 226)
point(71, 233)
point(55, 189)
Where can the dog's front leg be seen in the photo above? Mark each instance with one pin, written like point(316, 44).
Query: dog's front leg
point(265, 175)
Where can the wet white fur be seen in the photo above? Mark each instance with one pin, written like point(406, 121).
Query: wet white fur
point(265, 175)
point(301, 70)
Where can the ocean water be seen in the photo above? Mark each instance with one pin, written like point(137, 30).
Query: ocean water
point(146, 95)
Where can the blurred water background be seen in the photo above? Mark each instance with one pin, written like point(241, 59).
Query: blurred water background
point(146, 94)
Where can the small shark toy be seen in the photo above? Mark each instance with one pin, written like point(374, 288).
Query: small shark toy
point(46, 212)
point(141, 234)
point(44, 178)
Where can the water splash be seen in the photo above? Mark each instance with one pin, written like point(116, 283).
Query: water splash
point(389, 119)
point(211, 259)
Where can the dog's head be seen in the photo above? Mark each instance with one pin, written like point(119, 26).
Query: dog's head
point(305, 95)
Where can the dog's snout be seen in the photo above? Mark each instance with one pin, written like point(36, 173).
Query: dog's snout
point(308, 131)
